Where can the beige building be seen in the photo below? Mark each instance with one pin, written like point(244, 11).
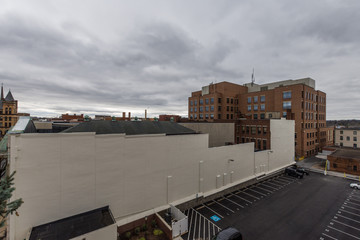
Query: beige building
point(60, 175)
point(347, 137)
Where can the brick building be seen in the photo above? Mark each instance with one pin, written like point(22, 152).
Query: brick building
point(257, 131)
point(8, 112)
point(345, 160)
point(292, 99)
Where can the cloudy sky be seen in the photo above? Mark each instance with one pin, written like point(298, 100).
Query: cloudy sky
point(107, 57)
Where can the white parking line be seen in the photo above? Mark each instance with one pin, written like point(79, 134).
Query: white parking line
point(233, 202)
point(358, 209)
point(343, 232)
point(329, 236)
point(223, 206)
point(264, 189)
point(241, 198)
point(270, 182)
point(346, 225)
point(213, 211)
point(256, 191)
point(355, 200)
point(270, 186)
point(279, 182)
point(355, 197)
point(349, 212)
point(213, 225)
point(352, 203)
point(195, 225)
point(192, 212)
point(251, 195)
point(347, 218)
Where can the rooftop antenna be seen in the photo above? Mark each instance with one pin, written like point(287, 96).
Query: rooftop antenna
point(252, 78)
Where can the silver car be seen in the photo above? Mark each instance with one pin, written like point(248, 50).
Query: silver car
point(355, 185)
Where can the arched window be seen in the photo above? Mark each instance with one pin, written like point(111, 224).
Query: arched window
point(6, 110)
point(10, 110)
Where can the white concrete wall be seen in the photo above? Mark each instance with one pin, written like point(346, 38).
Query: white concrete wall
point(106, 233)
point(219, 133)
point(60, 175)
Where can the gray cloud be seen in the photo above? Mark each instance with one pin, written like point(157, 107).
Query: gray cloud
point(126, 58)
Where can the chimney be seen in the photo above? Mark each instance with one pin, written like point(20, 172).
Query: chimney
point(129, 115)
point(124, 115)
point(2, 92)
point(145, 114)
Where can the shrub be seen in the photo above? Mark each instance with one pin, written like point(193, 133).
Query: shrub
point(153, 223)
point(142, 238)
point(157, 232)
point(128, 235)
point(137, 230)
point(144, 227)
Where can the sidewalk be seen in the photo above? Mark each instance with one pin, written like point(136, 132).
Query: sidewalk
point(315, 164)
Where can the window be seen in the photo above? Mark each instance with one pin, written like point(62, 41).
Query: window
point(287, 95)
point(219, 116)
point(232, 101)
point(212, 116)
point(195, 109)
point(259, 130)
point(201, 116)
point(264, 130)
point(258, 144)
point(255, 116)
point(341, 144)
point(249, 107)
point(227, 116)
point(347, 138)
point(227, 108)
point(255, 107)
point(262, 98)
point(253, 130)
point(334, 165)
point(255, 99)
point(207, 108)
point(355, 132)
point(232, 116)
point(243, 129)
point(270, 115)
point(227, 100)
point(219, 100)
point(264, 144)
point(191, 116)
point(264, 88)
point(355, 168)
point(284, 114)
point(206, 101)
point(249, 99)
point(219, 108)
point(355, 145)
point(287, 105)
point(212, 108)
point(191, 109)
point(262, 116)
point(200, 108)
point(195, 102)
point(355, 139)
point(201, 101)
point(191, 102)
point(262, 107)
point(247, 129)
point(206, 116)
point(212, 100)
point(232, 109)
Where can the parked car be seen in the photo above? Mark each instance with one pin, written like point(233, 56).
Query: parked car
point(293, 172)
point(229, 233)
point(300, 169)
point(355, 185)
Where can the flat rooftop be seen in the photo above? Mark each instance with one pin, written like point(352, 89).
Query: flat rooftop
point(73, 226)
point(347, 153)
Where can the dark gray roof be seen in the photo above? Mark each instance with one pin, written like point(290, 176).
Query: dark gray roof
point(9, 97)
point(131, 127)
point(73, 226)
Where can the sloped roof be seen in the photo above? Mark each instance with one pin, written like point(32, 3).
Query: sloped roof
point(130, 128)
point(9, 97)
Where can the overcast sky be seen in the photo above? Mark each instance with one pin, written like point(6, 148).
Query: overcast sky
point(107, 57)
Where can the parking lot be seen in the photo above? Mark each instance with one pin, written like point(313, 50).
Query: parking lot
point(203, 219)
point(283, 207)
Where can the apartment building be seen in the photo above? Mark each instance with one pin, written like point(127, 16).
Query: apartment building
point(291, 99)
point(347, 137)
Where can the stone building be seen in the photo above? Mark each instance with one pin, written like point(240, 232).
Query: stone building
point(8, 112)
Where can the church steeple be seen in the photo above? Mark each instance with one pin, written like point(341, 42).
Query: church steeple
point(2, 91)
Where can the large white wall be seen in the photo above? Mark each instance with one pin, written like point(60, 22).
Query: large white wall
point(59, 175)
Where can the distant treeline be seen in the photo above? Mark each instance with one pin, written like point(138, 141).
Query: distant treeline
point(346, 123)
